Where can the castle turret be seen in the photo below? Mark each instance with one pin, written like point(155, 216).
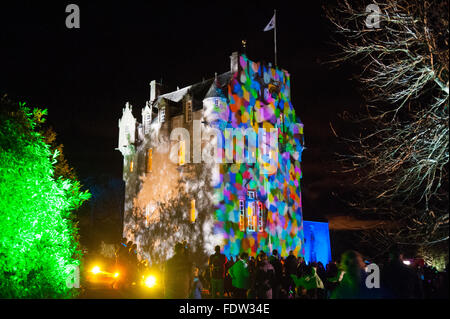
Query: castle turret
point(146, 118)
point(127, 130)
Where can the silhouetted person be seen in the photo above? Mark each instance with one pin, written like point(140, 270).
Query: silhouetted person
point(399, 281)
point(196, 285)
point(276, 264)
point(264, 277)
point(228, 286)
point(177, 275)
point(122, 264)
point(133, 263)
point(291, 265)
point(217, 264)
point(331, 278)
point(122, 252)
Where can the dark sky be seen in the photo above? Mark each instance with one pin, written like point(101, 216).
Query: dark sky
point(84, 76)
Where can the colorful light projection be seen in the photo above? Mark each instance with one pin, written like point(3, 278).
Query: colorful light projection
point(260, 209)
point(317, 242)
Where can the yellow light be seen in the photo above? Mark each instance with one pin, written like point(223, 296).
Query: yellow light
point(181, 153)
point(149, 160)
point(116, 275)
point(193, 211)
point(150, 281)
point(96, 270)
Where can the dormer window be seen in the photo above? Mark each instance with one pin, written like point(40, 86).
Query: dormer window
point(162, 114)
point(188, 111)
point(147, 123)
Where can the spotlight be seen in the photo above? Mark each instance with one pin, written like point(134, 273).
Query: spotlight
point(150, 281)
point(96, 270)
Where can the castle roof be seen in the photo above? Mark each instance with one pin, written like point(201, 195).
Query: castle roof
point(214, 87)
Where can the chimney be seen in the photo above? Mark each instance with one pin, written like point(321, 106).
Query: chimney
point(155, 90)
point(234, 59)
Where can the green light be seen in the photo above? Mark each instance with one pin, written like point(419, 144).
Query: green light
point(38, 237)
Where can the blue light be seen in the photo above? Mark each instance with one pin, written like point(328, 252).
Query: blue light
point(317, 242)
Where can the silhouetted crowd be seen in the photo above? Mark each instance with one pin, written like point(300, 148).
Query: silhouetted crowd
point(128, 264)
point(276, 277)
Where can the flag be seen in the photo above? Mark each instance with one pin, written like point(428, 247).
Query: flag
point(271, 24)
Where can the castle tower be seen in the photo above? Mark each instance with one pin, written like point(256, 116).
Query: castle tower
point(242, 205)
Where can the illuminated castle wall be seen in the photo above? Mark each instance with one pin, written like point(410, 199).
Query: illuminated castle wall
point(171, 195)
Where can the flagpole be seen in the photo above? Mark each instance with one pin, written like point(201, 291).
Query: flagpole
point(275, 36)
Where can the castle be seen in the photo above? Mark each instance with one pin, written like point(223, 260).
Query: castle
point(175, 192)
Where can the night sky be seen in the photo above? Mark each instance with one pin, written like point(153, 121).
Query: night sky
point(84, 76)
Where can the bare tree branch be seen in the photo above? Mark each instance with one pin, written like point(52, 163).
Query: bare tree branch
point(401, 157)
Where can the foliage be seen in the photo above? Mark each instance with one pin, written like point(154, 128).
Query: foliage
point(38, 239)
point(61, 167)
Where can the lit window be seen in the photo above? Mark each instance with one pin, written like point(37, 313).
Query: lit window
point(241, 215)
point(131, 166)
point(251, 194)
point(193, 216)
point(182, 153)
point(260, 217)
point(188, 111)
point(149, 160)
point(251, 217)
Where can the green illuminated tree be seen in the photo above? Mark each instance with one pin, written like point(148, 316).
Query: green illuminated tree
point(38, 238)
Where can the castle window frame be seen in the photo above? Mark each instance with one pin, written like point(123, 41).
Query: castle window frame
point(260, 217)
point(251, 216)
point(241, 215)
